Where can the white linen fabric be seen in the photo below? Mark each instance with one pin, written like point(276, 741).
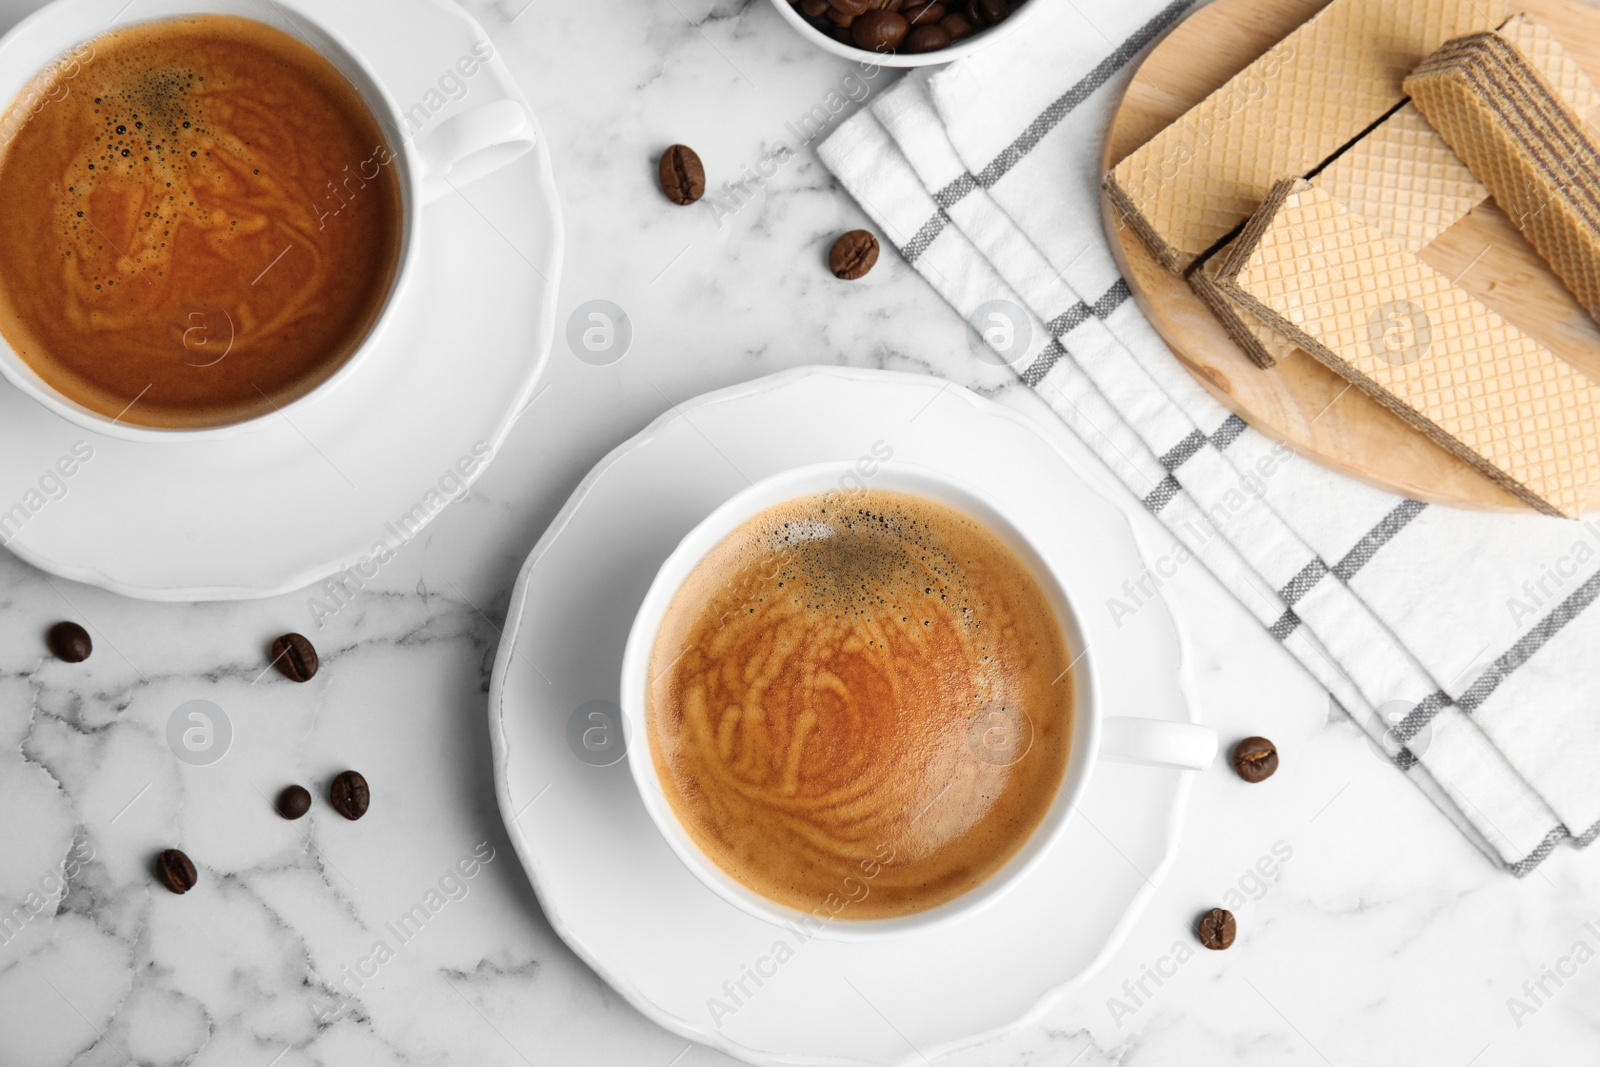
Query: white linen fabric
point(1459, 640)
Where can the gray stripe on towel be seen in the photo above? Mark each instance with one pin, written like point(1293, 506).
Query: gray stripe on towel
point(1502, 668)
point(1376, 538)
point(1537, 856)
point(1184, 450)
point(1162, 494)
point(1287, 624)
point(1109, 301)
point(924, 237)
point(1064, 104)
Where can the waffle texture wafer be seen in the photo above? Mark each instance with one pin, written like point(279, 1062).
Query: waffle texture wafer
point(1264, 345)
point(1286, 113)
point(1401, 177)
point(1568, 79)
point(1507, 122)
point(1404, 179)
point(1361, 303)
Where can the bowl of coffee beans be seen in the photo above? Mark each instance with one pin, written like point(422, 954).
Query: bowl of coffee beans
point(905, 33)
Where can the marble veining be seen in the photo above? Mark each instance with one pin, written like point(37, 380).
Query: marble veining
point(1371, 931)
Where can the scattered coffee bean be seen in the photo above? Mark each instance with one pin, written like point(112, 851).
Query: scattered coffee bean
point(349, 795)
point(1255, 758)
point(683, 178)
point(294, 657)
point(69, 642)
point(879, 30)
point(884, 26)
point(1217, 929)
point(957, 26)
point(175, 871)
point(294, 801)
point(927, 39)
point(853, 254)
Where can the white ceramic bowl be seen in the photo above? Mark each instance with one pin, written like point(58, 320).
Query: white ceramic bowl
point(981, 39)
point(1137, 740)
point(461, 150)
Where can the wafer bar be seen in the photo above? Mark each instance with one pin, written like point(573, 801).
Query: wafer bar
point(1372, 311)
point(1286, 113)
point(1507, 122)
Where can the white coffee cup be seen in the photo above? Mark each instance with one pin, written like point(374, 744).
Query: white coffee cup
point(1095, 734)
point(430, 165)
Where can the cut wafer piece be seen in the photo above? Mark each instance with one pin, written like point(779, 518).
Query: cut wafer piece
point(1400, 331)
point(1286, 113)
point(1510, 126)
point(1401, 177)
point(1404, 179)
point(1264, 345)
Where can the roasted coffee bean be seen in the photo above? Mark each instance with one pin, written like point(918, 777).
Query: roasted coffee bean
point(1217, 929)
point(927, 39)
point(851, 8)
point(294, 801)
point(879, 31)
point(69, 642)
point(853, 254)
point(956, 25)
point(923, 14)
point(175, 871)
point(349, 795)
point(1255, 758)
point(813, 8)
point(987, 12)
point(294, 657)
point(683, 178)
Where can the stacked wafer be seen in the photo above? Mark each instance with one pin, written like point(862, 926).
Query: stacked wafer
point(1404, 179)
point(1363, 304)
point(1513, 130)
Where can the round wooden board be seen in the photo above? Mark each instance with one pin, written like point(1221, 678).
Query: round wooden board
point(1300, 401)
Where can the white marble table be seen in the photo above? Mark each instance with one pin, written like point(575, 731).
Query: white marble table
point(1383, 938)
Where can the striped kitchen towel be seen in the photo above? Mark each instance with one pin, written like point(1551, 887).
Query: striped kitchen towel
point(1460, 641)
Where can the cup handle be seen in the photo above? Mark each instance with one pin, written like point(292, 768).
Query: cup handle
point(472, 144)
point(1157, 742)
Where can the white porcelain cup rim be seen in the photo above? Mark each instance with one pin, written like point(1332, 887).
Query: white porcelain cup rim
point(1095, 735)
point(437, 160)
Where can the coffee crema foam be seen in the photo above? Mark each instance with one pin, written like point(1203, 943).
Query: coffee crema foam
point(202, 222)
point(861, 704)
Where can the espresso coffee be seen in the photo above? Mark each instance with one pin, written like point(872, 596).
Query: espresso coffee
point(203, 222)
point(861, 704)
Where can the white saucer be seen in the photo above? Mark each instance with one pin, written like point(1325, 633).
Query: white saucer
point(273, 510)
point(608, 882)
